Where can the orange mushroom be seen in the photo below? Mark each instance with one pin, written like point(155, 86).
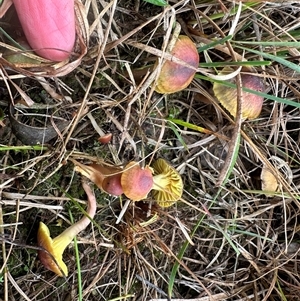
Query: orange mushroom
point(136, 181)
point(112, 185)
point(174, 77)
point(52, 249)
point(107, 178)
point(166, 182)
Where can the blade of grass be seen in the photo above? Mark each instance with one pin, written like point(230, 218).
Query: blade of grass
point(273, 44)
point(283, 298)
point(213, 44)
point(23, 147)
point(234, 230)
point(77, 256)
point(241, 63)
point(195, 127)
point(171, 124)
point(272, 57)
point(157, 2)
point(11, 39)
point(232, 12)
point(233, 152)
point(121, 298)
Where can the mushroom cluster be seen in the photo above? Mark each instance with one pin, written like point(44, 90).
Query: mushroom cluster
point(136, 182)
point(133, 181)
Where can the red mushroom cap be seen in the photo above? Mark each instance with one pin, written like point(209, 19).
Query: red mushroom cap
point(112, 185)
point(173, 76)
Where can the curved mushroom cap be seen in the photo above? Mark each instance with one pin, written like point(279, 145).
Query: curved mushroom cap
point(112, 185)
point(173, 76)
point(136, 181)
point(46, 242)
point(168, 186)
point(51, 258)
point(251, 103)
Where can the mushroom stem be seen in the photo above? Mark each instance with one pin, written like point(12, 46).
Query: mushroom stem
point(161, 182)
point(66, 237)
point(53, 249)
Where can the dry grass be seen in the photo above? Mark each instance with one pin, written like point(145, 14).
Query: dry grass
point(232, 242)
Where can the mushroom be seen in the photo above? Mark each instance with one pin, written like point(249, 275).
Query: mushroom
point(251, 103)
point(136, 181)
point(106, 177)
point(49, 26)
point(174, 77)
point(112, 185)
point(52, 249)
point(167, 183)
point(105, 139)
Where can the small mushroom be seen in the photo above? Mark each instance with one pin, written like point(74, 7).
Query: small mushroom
point(167, 183)
point(53, 249)
point(107, 178)
point(251, 103)
point(269, 182)
point(112, 185)
point(136, 181)
point(174, 77)
point(105, 139)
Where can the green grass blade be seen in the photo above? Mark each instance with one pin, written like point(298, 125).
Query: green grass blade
point(171, 124)
point(23, 147)
point(265, 95)
point(77, 256)
point(241, 63)
point(273, 44)
point(186, 124)
point(157, 2)
point(213, 44)
point(275, 58)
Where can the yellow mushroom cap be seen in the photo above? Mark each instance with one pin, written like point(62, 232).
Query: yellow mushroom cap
point(136, 181)
point(53, 249)
point(251, 103)
point(46, 242)
point(168, 186)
